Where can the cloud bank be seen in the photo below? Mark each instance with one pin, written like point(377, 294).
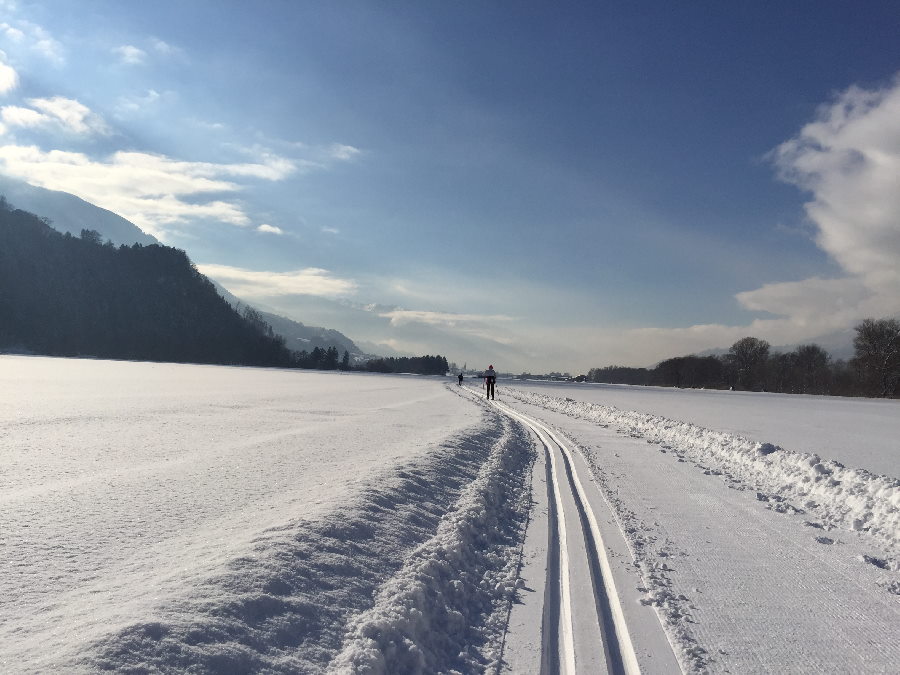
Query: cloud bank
point(253, 284)
point(153, 191)
point(848, 160)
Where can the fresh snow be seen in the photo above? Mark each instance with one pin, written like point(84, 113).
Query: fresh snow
point(162, 516)
point(180, 518)
point(858, 432)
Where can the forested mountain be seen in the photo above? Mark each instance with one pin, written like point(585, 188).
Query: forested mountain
point(67, 213)
point(297, 335)
point(300, 337)
point(69, 296)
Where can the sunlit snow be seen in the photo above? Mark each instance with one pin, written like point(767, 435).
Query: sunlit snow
point(216, 519)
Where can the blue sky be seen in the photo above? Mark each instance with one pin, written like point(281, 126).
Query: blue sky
point(539, 186)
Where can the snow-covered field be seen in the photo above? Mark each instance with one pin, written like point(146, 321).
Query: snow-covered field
point(860, 432)
point(160, 517)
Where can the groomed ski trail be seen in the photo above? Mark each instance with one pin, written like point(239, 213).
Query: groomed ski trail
point(578, 549)
point(583, 623)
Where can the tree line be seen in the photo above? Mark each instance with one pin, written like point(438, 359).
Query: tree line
point(63, 295)
point(751, 365)
point(424, 365)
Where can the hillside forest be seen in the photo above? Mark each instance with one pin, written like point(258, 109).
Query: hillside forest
point(65, 295)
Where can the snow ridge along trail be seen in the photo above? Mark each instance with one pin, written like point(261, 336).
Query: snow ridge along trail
point(453, 591)
point(745, 556)
point(841, 497)
point(612, 647)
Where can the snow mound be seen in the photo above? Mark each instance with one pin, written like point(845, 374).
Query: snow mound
point(454, 592)
point(284, 607)
point(841, 497)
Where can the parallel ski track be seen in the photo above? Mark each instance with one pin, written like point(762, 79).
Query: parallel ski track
point(558, 634)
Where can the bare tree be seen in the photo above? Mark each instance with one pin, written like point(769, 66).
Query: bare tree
point(811, 364)
point(748, 358)
point(877, 345)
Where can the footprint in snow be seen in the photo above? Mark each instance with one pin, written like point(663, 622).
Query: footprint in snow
point(825, 540)
point(880, 563)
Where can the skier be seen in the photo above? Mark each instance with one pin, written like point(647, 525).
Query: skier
point(460, 379)
point(490, 376)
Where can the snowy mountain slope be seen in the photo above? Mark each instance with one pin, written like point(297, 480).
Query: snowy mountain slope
point(298, 336)
point(69, 213)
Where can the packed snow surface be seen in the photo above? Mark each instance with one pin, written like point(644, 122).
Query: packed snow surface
point(859, 432)
point(844, 497)
point(173, 518)
point(757, 558)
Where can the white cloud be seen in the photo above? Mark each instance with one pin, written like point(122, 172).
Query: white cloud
point(130, 55)
point(400, 317)
point(9, 78)
point(16, 116)
point(330, 230)
point(42, 42)
point(848, 159)
point(269, 229)
point(153, 191)
point(32, 36)
point(142, 103)
point(165, 48)
point(71, 114)
point(480, 326)
point(342, 152)
point(63, 113)
point(261, 284)
point(11, 32)
point(809, 300)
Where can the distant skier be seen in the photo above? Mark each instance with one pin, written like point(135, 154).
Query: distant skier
point(490, 376)
point(460, 379)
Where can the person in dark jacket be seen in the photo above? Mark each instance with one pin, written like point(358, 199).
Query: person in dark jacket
point(460, 379)
point(490, 377)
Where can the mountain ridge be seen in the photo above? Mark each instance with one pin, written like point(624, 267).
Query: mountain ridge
point(68, 213)
point(76, 296)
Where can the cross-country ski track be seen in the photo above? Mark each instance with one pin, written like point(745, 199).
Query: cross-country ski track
point(583, 626)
